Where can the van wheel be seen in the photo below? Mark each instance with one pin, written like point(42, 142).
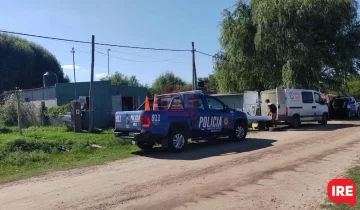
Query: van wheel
point(324, 119)
point(295, 122)
point(177, 140)
point(145, 145)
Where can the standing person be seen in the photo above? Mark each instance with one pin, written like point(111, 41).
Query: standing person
point(272, 111)
point(331, 110)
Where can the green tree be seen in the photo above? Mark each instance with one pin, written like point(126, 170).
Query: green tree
point(209, 82)
point(23, 63)
point(121, 79)
point(296, 43)
point(168, 82)
point(354, 88)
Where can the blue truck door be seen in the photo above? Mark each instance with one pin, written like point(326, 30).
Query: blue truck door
point(351, 102)
point(224, 118)
point(198, 114)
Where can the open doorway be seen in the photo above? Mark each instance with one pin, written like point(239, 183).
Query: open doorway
point(127, 103)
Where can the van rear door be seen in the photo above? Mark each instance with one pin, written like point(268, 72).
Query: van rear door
point(251, 101)
point(281, 102)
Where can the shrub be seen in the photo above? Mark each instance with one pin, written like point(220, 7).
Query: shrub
point(9, 114)
point(56, 112)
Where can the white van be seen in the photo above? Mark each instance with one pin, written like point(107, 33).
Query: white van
point(296, 106)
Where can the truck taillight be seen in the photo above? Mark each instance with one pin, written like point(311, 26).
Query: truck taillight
point(286, 111)
point(145, 121)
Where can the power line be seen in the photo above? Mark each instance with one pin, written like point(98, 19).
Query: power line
point(205, 54)
point(103, 44)
point(217, 57)
point(81, 51)
point(140, 61)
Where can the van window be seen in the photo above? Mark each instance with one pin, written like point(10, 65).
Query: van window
point(317, 98)
point(307, 97)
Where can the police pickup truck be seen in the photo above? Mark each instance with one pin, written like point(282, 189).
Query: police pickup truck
point(345, 106)
point(180, 116)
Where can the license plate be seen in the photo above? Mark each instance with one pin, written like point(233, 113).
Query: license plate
point(133, 142)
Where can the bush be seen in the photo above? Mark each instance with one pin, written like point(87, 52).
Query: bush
point(9, 114)
point(56, 112)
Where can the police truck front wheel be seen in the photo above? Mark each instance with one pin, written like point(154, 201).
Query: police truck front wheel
point(239, 132)
point(177, 140)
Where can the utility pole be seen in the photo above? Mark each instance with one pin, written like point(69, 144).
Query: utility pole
point(194, 67)
point(73, 52)
point(18, 109)
point(91, 107)
point(108, 50)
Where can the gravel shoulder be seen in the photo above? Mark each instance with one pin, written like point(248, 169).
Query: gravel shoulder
point(270, 170)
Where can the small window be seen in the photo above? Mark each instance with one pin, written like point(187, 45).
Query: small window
point(177, 104)
point(307, 97)
point(214, 104)
point(192, 101)
point(352, 101)
point(317, 98)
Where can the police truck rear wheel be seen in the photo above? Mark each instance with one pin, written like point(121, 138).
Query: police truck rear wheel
point(177, 140)
point(145, 145)
point(239, 131)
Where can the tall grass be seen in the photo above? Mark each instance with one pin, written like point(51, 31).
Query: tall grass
point(30, 114)
point(41, 149)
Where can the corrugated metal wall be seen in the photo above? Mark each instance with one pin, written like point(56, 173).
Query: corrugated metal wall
point(234, 101)
point(39, 94)
point(102, 97)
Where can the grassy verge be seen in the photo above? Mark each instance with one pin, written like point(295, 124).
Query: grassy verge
point(46, 149)
point(354, 174)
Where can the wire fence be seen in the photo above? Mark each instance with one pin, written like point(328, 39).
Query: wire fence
point(15, 111)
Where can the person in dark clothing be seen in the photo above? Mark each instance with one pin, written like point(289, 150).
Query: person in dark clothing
point(272, 111)
point(331, 110)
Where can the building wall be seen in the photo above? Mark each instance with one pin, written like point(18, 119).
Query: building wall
point(234, 101)
point(48, 103)
point(37, 94)
point(139, 92)
point(102, 97)
point(65, 93)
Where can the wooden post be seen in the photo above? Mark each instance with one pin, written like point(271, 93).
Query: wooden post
point(18, 110)
point(91, 105)
point(194, 86)
point(73, 52)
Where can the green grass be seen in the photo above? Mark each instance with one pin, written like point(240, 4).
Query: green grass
point(354, 174)
point(44, 149)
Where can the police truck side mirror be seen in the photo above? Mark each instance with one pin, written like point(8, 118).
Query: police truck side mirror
point(226, 107)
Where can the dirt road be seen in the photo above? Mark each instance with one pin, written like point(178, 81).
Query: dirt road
point(270, 170)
